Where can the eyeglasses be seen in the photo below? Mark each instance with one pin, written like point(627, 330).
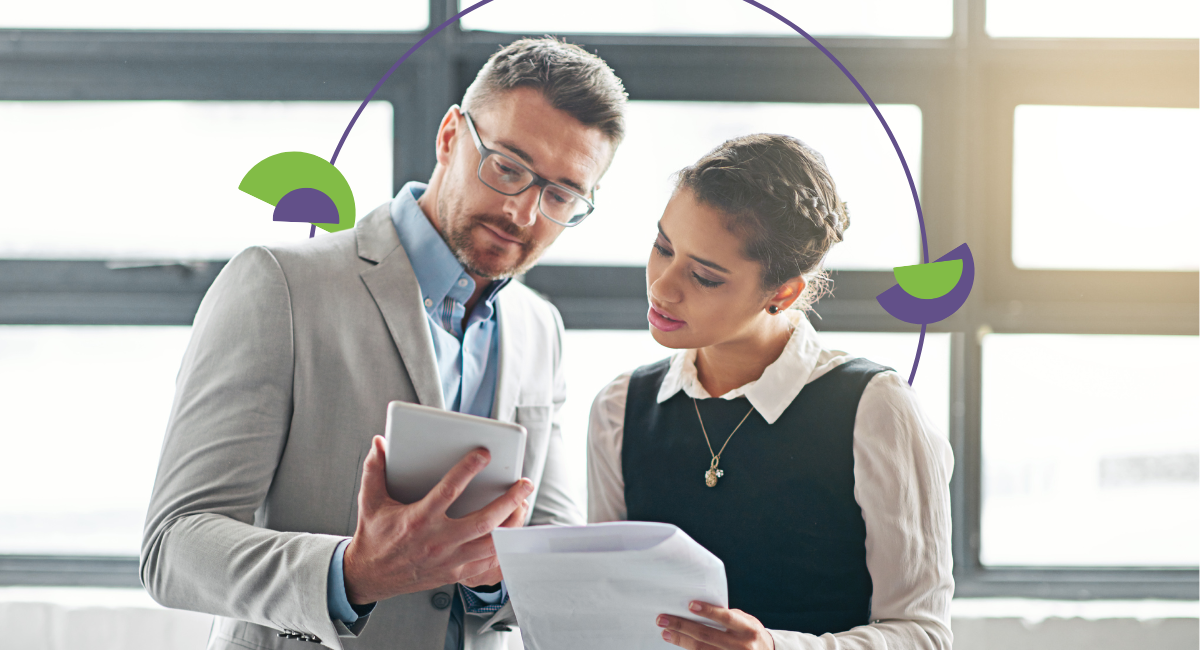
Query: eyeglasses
point(562, 205)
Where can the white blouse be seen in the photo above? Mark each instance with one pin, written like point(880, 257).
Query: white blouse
point(902, 468)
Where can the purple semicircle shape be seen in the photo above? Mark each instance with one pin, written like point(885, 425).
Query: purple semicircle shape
point(919, 311)
point(306, 205)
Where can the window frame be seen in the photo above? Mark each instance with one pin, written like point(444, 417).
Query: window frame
point(966, 86)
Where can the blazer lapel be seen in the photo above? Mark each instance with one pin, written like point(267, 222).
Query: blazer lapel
point(393, 285)
point(508, 384)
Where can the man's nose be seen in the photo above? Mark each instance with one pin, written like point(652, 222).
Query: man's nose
point(523, 208)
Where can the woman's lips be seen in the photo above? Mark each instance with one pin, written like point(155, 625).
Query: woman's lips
point(663, 322)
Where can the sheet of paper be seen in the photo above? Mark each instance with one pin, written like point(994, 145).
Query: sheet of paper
point(602, 586)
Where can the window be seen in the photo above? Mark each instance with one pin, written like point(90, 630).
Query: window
point(1087, 178)
point(274, 15)
point(925, 18)
point(127, 129)
point(1093, 19)
point(159, 180)
point(664, 137)
point(85, 408)
point(1090, 450)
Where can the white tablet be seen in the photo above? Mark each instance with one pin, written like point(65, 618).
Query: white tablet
point(423, 443)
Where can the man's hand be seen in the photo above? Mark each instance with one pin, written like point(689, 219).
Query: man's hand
point(399, 548)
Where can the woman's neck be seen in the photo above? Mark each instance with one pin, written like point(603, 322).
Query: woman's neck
point(726, 366)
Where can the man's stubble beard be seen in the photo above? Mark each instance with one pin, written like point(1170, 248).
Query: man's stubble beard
point(457, 233)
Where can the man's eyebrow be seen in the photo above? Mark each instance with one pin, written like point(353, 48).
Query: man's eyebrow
point(711, 265)
point(523, 155)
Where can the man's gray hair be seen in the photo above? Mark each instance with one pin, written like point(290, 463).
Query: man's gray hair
point(572, 79)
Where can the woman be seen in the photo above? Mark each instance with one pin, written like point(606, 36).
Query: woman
point(813, 475)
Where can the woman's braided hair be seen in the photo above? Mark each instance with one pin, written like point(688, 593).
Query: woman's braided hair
point(778, 195)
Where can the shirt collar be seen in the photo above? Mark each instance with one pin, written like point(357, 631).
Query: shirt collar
point(771, 393)
point(438, 272)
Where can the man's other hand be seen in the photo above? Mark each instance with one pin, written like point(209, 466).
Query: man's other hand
point(402, 548)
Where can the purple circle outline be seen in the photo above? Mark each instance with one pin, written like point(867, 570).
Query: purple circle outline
point(862, 91)
point(411, 50)
point(912, 186)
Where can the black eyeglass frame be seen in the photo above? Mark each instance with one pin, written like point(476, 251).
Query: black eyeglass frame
point(538, 180)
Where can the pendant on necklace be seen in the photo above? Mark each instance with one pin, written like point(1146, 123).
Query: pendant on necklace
point(711, 476)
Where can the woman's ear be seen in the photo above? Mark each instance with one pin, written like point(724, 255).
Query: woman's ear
point(787, 293)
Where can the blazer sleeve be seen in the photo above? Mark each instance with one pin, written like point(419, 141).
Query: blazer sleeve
point(227, 430)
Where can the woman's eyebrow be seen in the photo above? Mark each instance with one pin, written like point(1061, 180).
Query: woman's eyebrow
point(711, 265)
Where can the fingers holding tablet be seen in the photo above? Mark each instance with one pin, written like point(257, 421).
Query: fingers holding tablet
point(431, 493)
point(499, 511)
point(454, 482)
point(401, 548)
point(430, 450)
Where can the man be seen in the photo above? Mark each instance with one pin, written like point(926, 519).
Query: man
point(269, 461)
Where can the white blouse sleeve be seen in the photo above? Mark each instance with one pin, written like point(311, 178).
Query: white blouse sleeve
point(902, 468)
point(606, 429)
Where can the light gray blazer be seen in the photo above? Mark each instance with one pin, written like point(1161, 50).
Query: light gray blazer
point(294, 355)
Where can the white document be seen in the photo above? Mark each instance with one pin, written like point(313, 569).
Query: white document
point(601, 587)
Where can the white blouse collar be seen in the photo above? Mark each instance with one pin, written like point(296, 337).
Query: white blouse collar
point(771, 393)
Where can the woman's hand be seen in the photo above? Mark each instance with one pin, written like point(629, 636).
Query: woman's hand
point(742, 631)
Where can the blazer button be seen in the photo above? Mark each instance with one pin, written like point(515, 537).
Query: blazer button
point(441, 600)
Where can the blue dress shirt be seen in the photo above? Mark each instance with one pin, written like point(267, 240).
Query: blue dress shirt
point(468, 364)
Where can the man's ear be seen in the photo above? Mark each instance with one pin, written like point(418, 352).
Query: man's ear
point(448, 132)
point(788, 292)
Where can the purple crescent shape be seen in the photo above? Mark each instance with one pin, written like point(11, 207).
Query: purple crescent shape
point(306, 205)
point(918, 311)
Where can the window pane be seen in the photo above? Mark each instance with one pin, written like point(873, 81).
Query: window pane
point(1092, 459)
point(84, 410)
point(663, 137)
point(1103, 187)
point(1093, 18)
point(260, 15)
point(159, 179)
point(929, 18)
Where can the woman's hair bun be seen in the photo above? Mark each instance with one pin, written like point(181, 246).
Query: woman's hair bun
point(779, 196)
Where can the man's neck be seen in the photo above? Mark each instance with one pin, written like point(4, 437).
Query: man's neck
point(428, 205)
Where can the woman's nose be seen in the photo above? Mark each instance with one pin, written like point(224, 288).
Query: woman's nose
point(664, 288)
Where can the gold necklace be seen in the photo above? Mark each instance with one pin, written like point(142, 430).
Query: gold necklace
point(714, 472)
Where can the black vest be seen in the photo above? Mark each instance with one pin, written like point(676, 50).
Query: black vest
point(783, 518)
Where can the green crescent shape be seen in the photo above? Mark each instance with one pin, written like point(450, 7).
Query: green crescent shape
point(275, 176)
point(929, 281)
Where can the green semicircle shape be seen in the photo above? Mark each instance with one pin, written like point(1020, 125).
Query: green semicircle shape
point(275, 176)
point(928, 281)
